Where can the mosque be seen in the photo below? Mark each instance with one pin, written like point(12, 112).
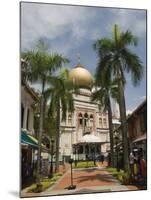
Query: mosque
point(85, 133)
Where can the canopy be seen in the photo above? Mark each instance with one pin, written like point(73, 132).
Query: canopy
point(32, 141)
point(26, 139)
point(116, 121)
point(90, 139)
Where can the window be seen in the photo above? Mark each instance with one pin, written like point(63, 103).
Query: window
point(104, 123)
point(85, 119)
point(27, 124)
point(100, 122)
point(91, 120)
point(80, 119)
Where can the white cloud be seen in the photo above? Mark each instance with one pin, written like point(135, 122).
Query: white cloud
point(53, 21)
point(130, 19)
point(44, 20)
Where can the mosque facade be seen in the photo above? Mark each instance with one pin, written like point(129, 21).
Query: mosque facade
point(85, 133)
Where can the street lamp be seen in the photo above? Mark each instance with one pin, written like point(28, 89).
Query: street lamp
point(51, 164)
point(71, 187)
point(116, 143)
point(75, 152)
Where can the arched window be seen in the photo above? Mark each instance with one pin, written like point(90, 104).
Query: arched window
point(91, 120)
point(80, 119)
point(85, 119)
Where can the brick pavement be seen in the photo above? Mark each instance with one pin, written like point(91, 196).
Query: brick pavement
point(87, 177)
point(87, 181)
point(91, 180)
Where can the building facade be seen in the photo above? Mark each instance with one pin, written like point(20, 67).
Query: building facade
point(85, 130)
point(137, 128)
point(137, 131)
point(29, 144)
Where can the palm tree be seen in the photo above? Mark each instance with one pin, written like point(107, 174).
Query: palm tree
point(115, 58)
point(61, 101)
point(102, 94)
point(41, 65)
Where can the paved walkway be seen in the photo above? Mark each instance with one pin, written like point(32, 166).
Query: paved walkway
point(91, 180)
point(87, 181)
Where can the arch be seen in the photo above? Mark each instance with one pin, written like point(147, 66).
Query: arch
point(69, 116)
point(86, 115)
point(91, 120)
point(80, 119)
point(80, 115)
point(91, 116)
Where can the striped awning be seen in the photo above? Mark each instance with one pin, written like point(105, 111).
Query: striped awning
point(26, 139)
point(30, 140)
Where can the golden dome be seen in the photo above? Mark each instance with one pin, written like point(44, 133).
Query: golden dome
point(81, 77)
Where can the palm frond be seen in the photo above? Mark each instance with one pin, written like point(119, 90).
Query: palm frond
point(133, 65)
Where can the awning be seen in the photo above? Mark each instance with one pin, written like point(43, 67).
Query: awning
point(32, 141)
point(26, 139)
point(116, 121)
point(90, 139)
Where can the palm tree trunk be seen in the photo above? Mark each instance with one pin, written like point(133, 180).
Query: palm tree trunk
point(38, 175)
point(123, 125)
point(39, 141)
point(111, 131)
point(57, 136)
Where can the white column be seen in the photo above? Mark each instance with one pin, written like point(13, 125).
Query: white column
point(25, 117)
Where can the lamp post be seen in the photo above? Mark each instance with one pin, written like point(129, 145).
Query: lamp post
point(71, 187)
point(75, 152)
point(116, 143)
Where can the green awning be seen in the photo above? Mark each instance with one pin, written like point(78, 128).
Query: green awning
point(26, 139)
point(32, 141)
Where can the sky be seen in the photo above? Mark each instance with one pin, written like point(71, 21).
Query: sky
point(72, 30)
